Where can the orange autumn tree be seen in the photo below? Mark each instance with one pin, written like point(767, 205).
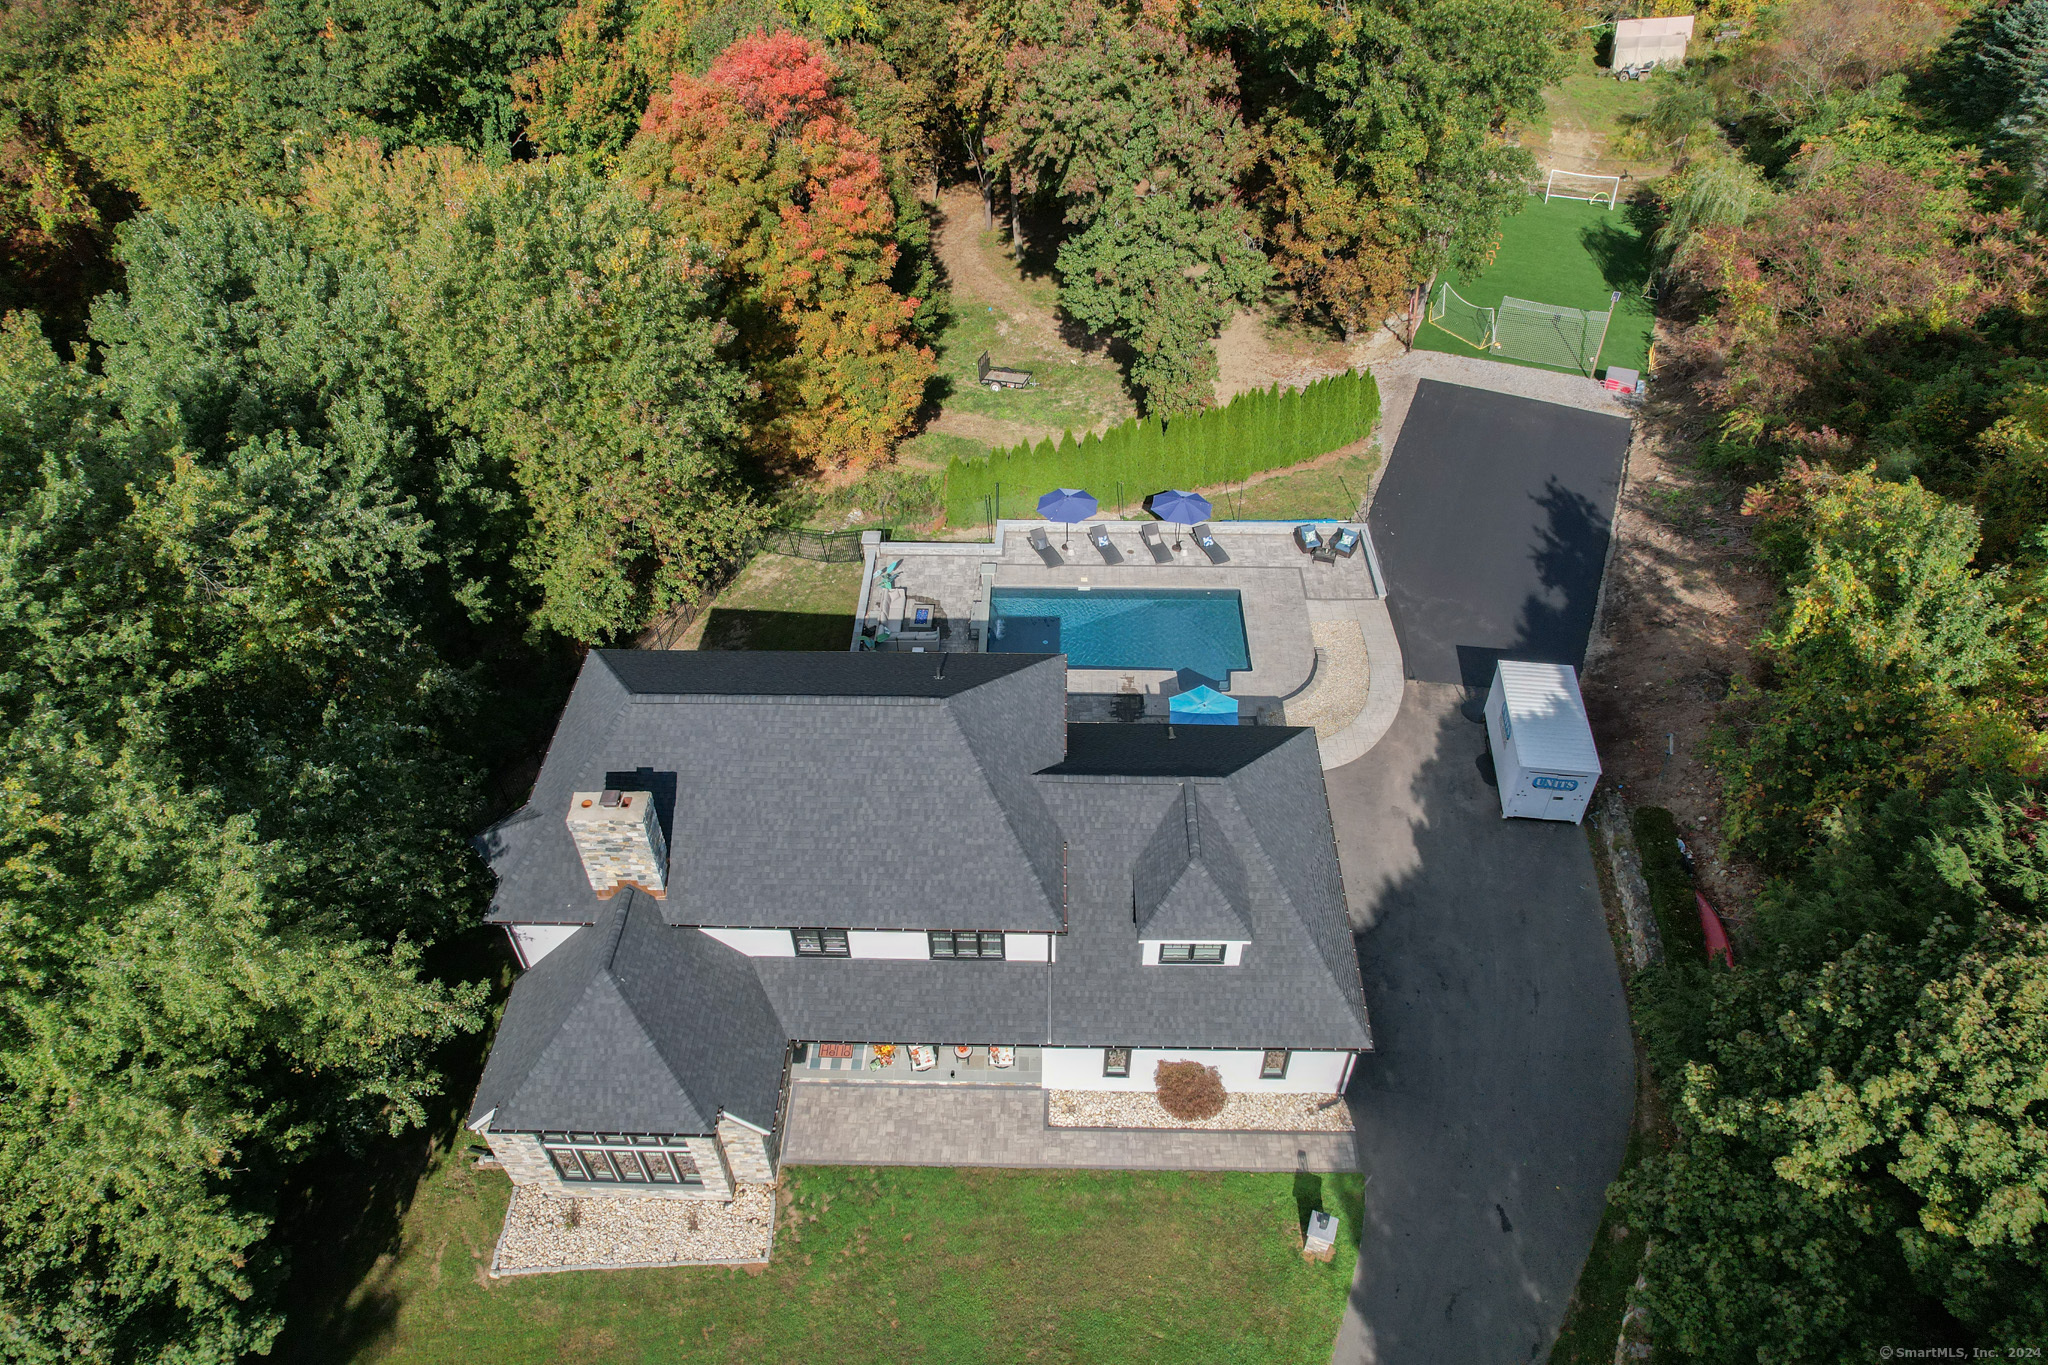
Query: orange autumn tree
point(760, 160)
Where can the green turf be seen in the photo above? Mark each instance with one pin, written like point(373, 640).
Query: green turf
point(1564, 253)
point(883, 1267)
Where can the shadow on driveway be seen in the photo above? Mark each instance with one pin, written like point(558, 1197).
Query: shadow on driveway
point(1496, 1109)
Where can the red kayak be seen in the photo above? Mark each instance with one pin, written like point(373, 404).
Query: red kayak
point(1716, 936)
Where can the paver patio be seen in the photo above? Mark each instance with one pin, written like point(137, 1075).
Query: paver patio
point(832, 1124)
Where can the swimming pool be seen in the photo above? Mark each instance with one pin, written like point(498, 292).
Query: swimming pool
point(1173, 628)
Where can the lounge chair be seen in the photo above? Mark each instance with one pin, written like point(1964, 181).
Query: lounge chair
point(1154, 541)
point(1098, 536)
point(1040, 543)
point(1345, 542)
point(1207, 541)
point(1307, 539)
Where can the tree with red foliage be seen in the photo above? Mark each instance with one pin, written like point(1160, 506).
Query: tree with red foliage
point(760, 160)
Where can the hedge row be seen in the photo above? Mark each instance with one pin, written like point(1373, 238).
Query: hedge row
point(1256, 431)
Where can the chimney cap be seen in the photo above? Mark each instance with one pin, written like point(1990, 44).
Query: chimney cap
point(609, 797)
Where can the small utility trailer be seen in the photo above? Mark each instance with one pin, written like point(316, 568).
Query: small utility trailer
point(997, 378)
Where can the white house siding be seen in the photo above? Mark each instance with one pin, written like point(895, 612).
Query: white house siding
point(757, 942)
point(1148, 952)
point(1027, 947)
point(898, 945)
point(892, 944)
point(1308, 1073)
point(532, 942)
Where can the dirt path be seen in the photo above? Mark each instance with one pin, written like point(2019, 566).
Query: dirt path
point(1254, 353)
point(1685, 596)
point(991, 282)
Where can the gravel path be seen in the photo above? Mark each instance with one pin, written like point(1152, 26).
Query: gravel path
point(1337, 694)
point(620, 1231)
point(1266, 1113)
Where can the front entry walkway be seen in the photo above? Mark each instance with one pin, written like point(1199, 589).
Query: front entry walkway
point(832, 1124)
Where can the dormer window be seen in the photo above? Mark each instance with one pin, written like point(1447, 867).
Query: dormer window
point(1191, 954)
point(820, 942)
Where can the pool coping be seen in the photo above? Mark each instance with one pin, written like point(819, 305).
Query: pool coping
point(1131, 593)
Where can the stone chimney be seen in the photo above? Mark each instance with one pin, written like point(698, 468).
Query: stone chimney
point(619, 837)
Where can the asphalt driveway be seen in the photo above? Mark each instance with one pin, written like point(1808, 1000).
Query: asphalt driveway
point(1496, 1109)
point(1492, 526)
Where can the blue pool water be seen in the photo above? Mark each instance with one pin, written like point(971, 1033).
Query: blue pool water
point(1194, 628)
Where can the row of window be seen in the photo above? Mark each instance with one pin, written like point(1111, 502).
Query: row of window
point(620, 1158)
point(1116, 1063)
point(956, 945)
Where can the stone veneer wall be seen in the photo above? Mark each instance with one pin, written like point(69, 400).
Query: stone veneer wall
point(746, 1152)
point(524, 1160)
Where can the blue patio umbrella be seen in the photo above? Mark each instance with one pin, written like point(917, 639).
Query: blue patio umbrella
point(1067, 504)
point(1202, 706)
point(1174, 505)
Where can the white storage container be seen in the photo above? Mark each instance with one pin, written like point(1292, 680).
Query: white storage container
point(1543, 750)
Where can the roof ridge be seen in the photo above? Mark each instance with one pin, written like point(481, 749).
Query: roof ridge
point(1058, 906)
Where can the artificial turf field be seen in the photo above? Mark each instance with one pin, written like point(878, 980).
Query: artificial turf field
point(1568, 253)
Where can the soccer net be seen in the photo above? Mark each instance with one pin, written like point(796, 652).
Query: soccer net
point(1462, 318)
point(1546, 334)
point(1591, 189)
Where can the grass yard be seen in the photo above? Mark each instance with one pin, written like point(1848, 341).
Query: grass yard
point(874, 1267)
point(1584, 123)
point(1015, 318)
point(1564, 253)
point(780, 602)
point(1328, 488)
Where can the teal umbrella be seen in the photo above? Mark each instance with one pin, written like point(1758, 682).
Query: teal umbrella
point(1203, 706)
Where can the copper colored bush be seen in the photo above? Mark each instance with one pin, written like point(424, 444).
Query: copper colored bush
point(1189, 1090)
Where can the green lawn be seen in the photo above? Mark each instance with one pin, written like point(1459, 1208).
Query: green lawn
point(1331, 488)
point(1564, 253)
point(780, 602)
point(1584, 123)
point(1075, 391)
point(874, 1267)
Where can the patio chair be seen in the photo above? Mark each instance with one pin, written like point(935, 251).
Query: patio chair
point(1040, 543)
point(1155, 542)
point(1307, 539)
point(1207, 542)
point(1346, 541)
point(1098, 536)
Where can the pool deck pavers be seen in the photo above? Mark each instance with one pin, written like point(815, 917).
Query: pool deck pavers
point(1283, 591)
point(832, 1124)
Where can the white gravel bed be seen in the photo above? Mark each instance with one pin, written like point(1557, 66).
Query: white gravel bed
point(556, 1232)
point(1272, 1113)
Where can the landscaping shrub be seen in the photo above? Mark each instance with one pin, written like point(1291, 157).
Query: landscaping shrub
point(1678, 917)
point(1189, 1090)
point(1254, 432)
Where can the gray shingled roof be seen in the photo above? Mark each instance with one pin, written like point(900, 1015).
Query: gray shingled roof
point(1188, 882)
point(1288, 992)
point(873, 791)
point(633, 1026)
point(943, 804)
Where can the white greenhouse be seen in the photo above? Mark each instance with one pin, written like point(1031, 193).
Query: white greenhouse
point(1543, 751)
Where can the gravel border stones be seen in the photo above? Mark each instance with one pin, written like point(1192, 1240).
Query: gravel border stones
point(1246, 1113)
point(546, 1232)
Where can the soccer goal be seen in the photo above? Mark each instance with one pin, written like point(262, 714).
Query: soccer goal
point(1462, 318)
point(1591, 189)
point(1547, 334)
